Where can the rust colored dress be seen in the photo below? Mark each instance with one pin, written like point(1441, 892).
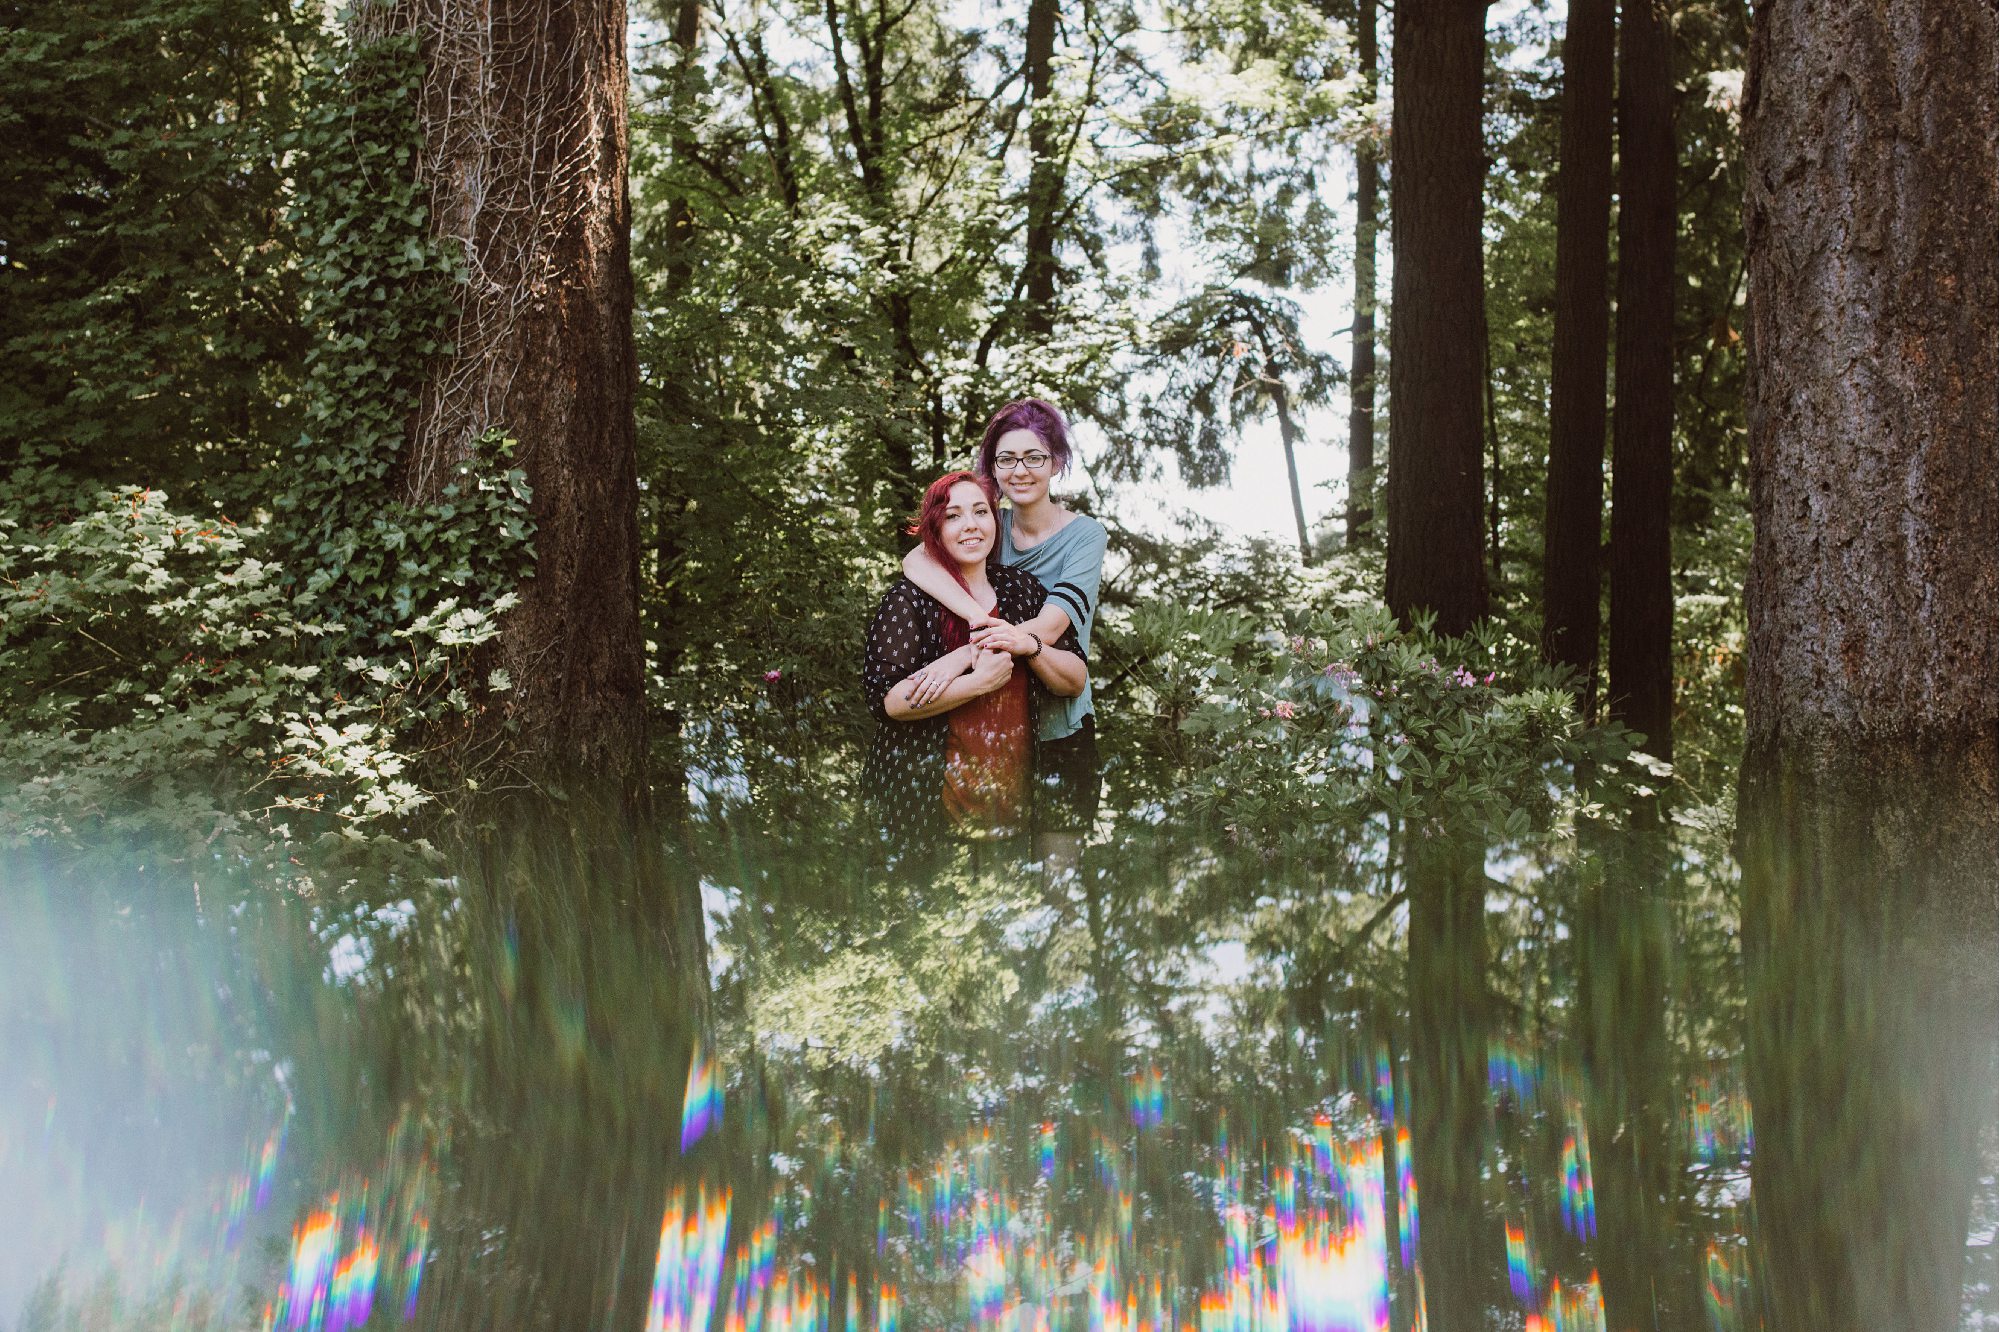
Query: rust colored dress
point(927, 782)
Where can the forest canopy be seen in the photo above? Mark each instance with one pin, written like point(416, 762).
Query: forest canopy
point(853, 235)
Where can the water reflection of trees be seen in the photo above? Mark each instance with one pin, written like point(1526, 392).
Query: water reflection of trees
point(1139, 1083)
point(1351, 934)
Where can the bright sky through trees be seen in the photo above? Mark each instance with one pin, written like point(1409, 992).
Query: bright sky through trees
point(1254, 503)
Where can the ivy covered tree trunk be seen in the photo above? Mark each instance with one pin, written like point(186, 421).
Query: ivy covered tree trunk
point(1573, 514)
point(1641, 687)
point(1437, 368)
point(1867, 808)
point(1361, 361)
point(524, 153)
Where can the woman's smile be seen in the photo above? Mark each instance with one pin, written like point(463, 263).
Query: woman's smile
point(1023, 483)
point(970, 526)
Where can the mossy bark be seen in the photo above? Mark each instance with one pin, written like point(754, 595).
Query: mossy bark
point(564, 1145)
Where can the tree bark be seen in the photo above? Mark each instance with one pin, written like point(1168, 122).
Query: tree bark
point(1361, 361)
point(1866, 819)
point(1573, 516)
point(1642, 601)
point(524, 128)
point(1288, 434)
point(524, 152)
point(1045, 170)
point(1436, 372)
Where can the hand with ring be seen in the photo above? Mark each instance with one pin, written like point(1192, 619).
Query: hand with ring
point(1008, 638)
point(926, 685)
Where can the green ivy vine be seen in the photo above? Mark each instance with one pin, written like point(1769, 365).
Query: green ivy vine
point(380, 296)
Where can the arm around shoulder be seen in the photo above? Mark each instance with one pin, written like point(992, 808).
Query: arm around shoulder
point(933, 578)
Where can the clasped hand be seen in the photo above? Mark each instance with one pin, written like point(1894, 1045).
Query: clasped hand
point(989, 657)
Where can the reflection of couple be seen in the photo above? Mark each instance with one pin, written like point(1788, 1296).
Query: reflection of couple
point(967, 743)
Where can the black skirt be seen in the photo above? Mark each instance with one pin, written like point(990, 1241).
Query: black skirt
point(1067, 782)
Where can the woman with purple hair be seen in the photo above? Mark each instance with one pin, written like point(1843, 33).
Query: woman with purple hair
point(1025, 447)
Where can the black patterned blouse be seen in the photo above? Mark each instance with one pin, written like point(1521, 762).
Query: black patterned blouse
point(902, 783)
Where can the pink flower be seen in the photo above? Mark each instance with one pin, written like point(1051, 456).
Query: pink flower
point(773, 675)
point(1488, 679)
point(1284, 711)
point(1263, 712)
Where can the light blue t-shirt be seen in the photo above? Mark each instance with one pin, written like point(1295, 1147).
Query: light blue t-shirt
point(1070, 565)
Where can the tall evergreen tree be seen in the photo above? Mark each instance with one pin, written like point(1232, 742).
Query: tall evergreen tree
point(1361, 360)
point(524, 131)
point(524, 127)
point(1866, 819)
point(1437, 369)
point(1045, 170)
point(1641, 687)
point(1437, 375)
point(1573, 525)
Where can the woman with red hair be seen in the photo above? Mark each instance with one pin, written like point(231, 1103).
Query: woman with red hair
point(960, 761)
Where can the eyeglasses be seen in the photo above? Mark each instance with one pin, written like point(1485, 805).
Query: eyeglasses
point(1007, 462)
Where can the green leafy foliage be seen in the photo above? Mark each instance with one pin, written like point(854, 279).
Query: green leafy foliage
point(1350, 718)
point(379, 293)
point(160, 687)
point(233, 690)
point(148, 302)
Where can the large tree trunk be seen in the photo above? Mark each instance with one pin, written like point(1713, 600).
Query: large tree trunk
point(1045, 171)
point(1361, 362)
point(524, 151)
point(1642, 425)
point(1867, 819)
point(1573, 518)
point(1437, 369)
point(524, 129)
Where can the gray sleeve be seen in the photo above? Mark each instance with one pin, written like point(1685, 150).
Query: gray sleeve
point(1076, 582)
